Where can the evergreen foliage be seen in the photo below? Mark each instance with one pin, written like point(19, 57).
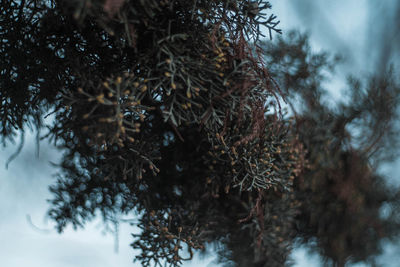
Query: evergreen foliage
point(174, 111)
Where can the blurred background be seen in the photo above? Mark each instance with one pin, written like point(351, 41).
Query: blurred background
point(365, 33)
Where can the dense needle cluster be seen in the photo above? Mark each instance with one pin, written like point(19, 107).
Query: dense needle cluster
point(173, 111)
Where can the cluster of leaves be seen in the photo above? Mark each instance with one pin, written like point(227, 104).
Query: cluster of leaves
point(341, 192)
point(165, 109)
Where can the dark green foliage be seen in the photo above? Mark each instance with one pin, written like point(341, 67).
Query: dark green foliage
point(171, 110)
point(340, 191)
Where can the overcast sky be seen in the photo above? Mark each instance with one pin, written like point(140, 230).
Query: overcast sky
point(28, 239)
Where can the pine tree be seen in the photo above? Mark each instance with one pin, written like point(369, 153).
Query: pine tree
point(174, 111)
